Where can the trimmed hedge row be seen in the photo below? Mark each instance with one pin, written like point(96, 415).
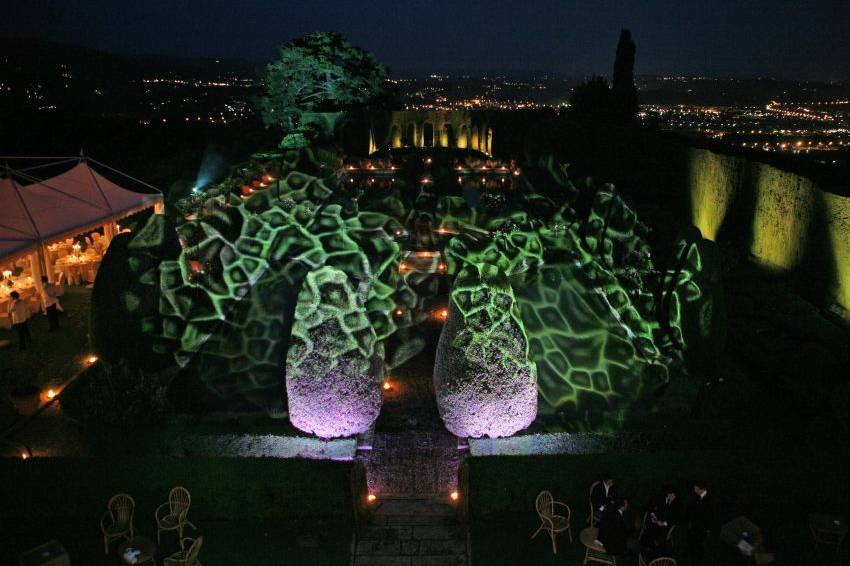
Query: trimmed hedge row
point(45, 489)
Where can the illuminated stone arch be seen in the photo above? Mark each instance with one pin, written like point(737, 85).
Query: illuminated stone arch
point(429, 137)
point(447, 135)
point(488, 148)
point(410, 134)
point(474, 139)
point(463, 137)
point(395, 136)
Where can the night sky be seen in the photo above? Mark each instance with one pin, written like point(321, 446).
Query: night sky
point(780, 38)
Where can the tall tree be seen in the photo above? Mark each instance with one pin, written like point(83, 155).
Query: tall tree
point(319, 72)
point(623, 86)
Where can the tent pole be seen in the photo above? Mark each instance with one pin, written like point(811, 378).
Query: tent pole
point(35, 267)
point(48, 265)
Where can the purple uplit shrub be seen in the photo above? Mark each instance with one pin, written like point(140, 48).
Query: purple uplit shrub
point(484, 382)
point(333, 375)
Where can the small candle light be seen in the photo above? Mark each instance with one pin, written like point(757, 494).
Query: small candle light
point(398, 312)
point(454, 496)
point(371, 498)
point(51, 393)
point(387, 386)
point(91, 360)
point(24, 455)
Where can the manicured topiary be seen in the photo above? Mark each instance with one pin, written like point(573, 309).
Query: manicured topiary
point(485, 383)
point(333, 366)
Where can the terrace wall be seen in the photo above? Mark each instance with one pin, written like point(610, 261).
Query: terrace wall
point(786, 222)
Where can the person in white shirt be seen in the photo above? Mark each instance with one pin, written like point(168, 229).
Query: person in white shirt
point(50, 303)
point(20, 313)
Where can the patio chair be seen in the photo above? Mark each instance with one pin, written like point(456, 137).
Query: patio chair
point(592, 519)
point(549, 521)
point(171, 515)
point(642, 562)
point(117, 522)
point(186, 557)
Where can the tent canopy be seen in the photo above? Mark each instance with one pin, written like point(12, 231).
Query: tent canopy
point(70, 203)
point(18, 234)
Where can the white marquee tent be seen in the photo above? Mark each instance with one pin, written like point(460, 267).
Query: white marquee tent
point(35, 213)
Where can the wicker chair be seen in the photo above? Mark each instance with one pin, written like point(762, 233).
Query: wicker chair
point(549, 521)
point(117, 522)
point(592, 519)
point(642, 562)
point(186, 557)
point(171, 516)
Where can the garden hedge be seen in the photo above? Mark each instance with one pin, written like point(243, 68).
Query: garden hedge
point(229, 489)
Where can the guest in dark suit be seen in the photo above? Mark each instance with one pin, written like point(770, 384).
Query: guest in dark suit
point(701, 522)
point(662, 514)
point(613, 533)
point(665, 511)
point(603, 495)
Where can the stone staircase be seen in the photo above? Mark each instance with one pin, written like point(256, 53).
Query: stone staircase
point(412, 532)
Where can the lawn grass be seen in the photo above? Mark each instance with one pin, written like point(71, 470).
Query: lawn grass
point(53, 357)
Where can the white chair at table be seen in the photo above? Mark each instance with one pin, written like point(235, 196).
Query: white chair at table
point(91, 274)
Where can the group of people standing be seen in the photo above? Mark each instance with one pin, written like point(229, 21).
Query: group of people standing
point(621, 536)
point(20, 312)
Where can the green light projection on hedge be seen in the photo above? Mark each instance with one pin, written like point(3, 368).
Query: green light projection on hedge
point(540, 292)
point(213, 309)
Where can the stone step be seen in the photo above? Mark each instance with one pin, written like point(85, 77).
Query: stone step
point(426, 547)
point(411, 506)
point(412, 520)
point(410, 561)
point(414, 532)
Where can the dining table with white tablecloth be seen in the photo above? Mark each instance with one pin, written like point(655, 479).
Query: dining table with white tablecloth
point(76, 268)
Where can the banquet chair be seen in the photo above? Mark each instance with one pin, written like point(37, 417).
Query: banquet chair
point(92, 271)
point(549, 521)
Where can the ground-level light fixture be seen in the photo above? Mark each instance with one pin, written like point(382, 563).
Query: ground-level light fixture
point(387, 385)
point(91, 360)
point(24, 456)
point(454, 496)
point(371, 498)
point(51, 393)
